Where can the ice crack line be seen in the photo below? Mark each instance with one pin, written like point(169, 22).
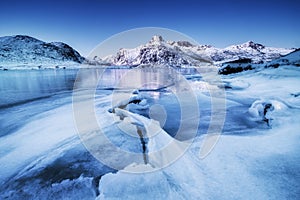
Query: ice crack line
point(140, 129)
point(143, 142)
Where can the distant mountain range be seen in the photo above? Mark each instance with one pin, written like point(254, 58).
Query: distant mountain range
point(183, 53)
point(21, 50)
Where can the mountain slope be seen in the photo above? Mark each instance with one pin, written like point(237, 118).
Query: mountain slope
point(290, 59)
point(245, 64)
point(24, 50)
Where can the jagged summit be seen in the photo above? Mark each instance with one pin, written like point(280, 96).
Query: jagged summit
point(156, 39)
point(182, 43)
point(253, 45)
point(246, 46)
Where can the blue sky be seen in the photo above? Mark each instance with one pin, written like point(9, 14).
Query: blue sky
point(85, 23)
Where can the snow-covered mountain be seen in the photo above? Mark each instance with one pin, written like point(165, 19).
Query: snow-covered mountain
point(21, 50)
point(182, 53)
point(25, 50)
point(258, 53)
point(156, 51)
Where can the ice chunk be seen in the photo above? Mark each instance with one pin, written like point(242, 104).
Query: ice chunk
point(125, 185)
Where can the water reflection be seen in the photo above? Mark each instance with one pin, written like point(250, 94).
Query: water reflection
point(137, 78)
point(22, 86)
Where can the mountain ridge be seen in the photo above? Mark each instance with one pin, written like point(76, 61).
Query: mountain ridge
point(190, 54)
point(23, 50)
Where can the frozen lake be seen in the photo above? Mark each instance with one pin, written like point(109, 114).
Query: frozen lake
point(256, 157)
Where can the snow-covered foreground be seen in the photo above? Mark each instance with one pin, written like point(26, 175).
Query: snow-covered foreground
point(252, 160)
point(256, 157)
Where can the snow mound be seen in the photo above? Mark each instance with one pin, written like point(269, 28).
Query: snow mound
point(156, 184)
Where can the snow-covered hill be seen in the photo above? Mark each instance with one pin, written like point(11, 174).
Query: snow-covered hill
point(290, 59)
point(21, 50)
point(183, 53)
point(245, 64)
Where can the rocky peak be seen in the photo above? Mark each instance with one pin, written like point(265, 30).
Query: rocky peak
point(184, 44)
point(156, 39)
point(253, 45)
